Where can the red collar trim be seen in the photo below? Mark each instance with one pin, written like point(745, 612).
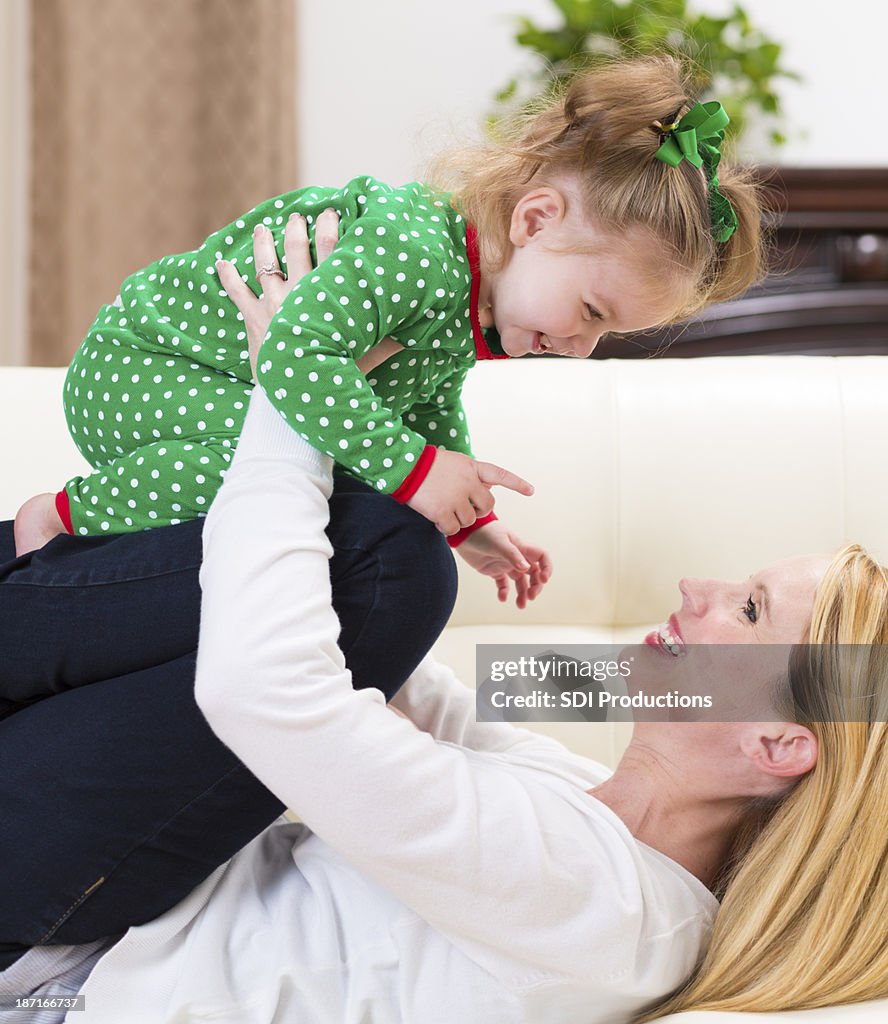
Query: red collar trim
point(481, 349)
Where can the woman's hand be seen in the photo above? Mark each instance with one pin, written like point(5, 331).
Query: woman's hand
point(259, 311)
point(493, 550)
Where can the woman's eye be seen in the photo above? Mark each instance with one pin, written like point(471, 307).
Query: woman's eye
point(593, 313)
point(750, 610)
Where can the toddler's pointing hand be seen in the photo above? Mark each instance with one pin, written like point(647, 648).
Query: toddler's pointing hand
point(456, 490)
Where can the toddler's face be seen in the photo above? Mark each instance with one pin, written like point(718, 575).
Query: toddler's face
point(547, 299)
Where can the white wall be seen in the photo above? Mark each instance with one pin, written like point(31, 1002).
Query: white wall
point(379, 87)
point(382, 82)
point(838, 113)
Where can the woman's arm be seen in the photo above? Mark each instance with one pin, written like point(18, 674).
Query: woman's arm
point(459, 838)
point(439, 704)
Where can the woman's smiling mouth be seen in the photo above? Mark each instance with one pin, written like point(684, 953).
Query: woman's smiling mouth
point(667, 637)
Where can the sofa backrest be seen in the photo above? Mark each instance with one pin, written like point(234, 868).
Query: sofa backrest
point(645, 471)
point(38, 453)
point(650, 470)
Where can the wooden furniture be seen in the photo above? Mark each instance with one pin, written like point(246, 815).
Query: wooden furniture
point(827, 289)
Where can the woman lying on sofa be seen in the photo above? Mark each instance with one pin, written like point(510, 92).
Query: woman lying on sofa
point(446, 870)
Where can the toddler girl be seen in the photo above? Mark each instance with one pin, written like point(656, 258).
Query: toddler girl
point(603, 214)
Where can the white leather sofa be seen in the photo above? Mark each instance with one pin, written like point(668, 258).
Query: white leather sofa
point(645, 471)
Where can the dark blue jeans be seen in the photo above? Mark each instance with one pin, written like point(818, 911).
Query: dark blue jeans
point(116, 798)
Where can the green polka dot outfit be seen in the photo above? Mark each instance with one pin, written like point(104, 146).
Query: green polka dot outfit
point(156, 395)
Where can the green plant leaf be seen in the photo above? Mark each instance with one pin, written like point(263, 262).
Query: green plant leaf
point(730, 49)
point(507, 91)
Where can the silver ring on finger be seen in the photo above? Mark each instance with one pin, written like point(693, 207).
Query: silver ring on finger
point(271, 270)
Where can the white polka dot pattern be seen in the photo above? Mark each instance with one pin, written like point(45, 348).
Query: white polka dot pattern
point(161, 381)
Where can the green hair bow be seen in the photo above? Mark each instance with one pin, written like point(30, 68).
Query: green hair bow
point(696, 137)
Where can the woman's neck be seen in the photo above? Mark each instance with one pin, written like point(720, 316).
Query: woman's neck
point(662, 810)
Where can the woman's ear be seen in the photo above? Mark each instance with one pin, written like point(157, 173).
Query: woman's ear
point(536, 211)
point(782, 749)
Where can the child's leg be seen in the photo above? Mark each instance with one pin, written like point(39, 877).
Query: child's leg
point(119, 395)
point(158, 419)
point(160, 484)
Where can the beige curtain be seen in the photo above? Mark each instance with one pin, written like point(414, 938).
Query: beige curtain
point(154, 122)
point(14, 130)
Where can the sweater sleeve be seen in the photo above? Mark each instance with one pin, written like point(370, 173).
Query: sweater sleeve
point(455, 836)
point(439, 704)
point(377, 283)
point(442, 420)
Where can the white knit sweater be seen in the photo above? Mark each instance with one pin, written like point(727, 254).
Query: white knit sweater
point(446, 871)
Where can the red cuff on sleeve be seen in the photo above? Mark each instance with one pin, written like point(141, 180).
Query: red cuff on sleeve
point(416, 475)
point(455, 539)
point(63, 507)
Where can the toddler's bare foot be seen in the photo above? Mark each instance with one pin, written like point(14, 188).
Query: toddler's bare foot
point(36, 523)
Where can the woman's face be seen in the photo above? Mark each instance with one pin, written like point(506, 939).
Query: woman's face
point(702, 650)
point(773, 606)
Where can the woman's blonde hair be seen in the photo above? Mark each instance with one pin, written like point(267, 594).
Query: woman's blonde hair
point(804, 919)
point(603, 130)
